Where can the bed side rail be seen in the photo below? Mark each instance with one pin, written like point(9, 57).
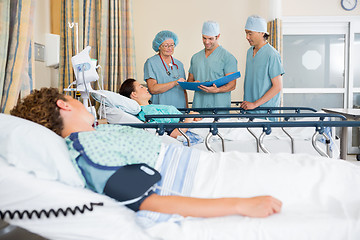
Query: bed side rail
point(266, 126)
point(241, 110)
point(285, 116)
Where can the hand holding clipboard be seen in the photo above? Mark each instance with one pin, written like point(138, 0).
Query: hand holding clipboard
point(194, 86)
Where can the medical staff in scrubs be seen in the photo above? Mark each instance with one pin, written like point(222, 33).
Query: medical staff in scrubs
point(209, 64)
point(162, 72)
point(264, 70)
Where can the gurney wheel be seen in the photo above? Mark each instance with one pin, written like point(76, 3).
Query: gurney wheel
point(358, 157)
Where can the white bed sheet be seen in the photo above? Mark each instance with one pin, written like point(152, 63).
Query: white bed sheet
point(23, 191)
point(320, 197)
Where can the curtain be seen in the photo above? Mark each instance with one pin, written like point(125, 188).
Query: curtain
point(17, 51)
point(107, 27)
point(276, 40)
point(275, 34)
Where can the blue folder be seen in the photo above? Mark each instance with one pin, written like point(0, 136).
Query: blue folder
point(218, 82)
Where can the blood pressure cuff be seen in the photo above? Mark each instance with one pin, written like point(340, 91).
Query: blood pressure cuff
point(132, 184)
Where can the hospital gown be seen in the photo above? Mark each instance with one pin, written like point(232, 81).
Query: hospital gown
point(155, 109)
point(110, 146)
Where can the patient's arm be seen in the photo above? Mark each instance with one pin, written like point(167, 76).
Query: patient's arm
point(175, 133)
point(261, 206)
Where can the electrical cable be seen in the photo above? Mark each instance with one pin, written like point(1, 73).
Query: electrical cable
point(48, 213)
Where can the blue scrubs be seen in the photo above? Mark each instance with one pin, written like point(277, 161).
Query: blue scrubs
point(259, 71)
point(217, 65)
point(154, 68)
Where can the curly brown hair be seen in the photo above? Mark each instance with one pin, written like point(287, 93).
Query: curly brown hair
point(40, 107)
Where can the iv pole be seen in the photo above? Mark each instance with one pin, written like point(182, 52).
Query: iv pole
point(84, 94)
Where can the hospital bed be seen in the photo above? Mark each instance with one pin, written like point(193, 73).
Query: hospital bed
point(320, 195)
point(236, 137)
point(118, 109)
point(214, 127)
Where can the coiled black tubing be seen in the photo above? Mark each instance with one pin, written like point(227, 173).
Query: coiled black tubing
point(49, 213)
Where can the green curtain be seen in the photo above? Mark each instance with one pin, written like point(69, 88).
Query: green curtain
point(107, 27)
point(17, 51)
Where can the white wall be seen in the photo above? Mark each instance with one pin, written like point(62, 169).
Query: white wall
point(44, 76)
point(186, 17)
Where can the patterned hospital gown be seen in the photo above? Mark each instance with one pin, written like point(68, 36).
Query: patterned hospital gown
point(111, 146)
point(115, 145)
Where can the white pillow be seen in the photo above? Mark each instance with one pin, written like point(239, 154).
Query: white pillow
point(113, 99)
point(36, 149)
point(117, 116)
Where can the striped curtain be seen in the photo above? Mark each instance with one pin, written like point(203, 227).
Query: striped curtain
point(107, 27)
point(276, 40)
point(17, 51)
point(275, 32)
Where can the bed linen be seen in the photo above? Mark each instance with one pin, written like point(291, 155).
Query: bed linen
point(320, 197)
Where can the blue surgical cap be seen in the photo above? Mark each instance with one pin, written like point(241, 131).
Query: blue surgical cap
point(161, 37)
point(210, 28)
point(256, 24)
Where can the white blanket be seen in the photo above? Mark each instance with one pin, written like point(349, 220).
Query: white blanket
point(320, 201)
point(320, 198)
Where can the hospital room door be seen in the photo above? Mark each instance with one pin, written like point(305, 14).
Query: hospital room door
point(321, 59)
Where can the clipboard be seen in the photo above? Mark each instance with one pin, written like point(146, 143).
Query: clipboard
point(194, 86)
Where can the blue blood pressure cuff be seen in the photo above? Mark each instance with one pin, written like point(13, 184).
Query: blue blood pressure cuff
point(129, 184)
point(132, 184)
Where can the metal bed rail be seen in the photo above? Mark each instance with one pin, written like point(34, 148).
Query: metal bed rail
point(216, 117)
point(241, 110)
point(251, 117)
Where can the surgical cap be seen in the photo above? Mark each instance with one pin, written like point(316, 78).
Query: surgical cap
point(256, 24)
point(161, 37)
point(210, 28)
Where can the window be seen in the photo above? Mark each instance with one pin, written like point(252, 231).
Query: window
point(321, 58)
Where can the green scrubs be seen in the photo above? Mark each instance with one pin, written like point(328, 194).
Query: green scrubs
point(154, 68)
point(217, 65)
point(259, 71)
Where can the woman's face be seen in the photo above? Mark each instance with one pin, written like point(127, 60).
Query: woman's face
point(167, 48)
point(140, 92)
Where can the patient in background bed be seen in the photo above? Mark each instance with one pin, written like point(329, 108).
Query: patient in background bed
point(134, 90)
point(67, 117)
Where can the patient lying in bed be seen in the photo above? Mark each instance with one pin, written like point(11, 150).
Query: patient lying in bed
point(69, 118)
point(134, 90)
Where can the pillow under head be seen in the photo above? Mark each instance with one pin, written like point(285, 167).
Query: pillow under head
point(37, 150)
point(116, 100)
